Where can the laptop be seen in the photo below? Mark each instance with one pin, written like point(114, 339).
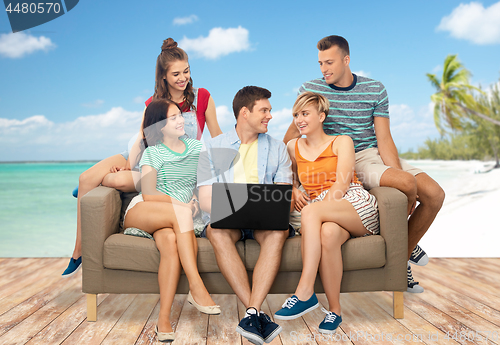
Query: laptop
point(250, 206)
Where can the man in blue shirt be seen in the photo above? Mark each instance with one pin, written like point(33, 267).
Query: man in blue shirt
point(263, 160)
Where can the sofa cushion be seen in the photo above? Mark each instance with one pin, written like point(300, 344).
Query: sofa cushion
point(123, 252)
point(357, 254)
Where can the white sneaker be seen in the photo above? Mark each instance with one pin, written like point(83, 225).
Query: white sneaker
point(419, 257)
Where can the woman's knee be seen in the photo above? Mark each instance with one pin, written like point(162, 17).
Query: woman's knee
point(332, 235)
point(166, 241)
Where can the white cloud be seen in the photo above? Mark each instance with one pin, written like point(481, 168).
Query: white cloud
point(87, 137)
point(219, 42)
point(95, 104)
point(410, 128)
point(19, 44)
point(280, 122)
point(362, 73)
point(474, 23)
point(185, 20)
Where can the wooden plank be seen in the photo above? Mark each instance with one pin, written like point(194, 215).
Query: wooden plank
point(22, 288)
point(130, 325)
point(109, 312)
point(65, 324)
point(294, 331)
point(442, 321)
point(29, 327)
point(413, 322)
point(474, 306)
point(192, 326)
point(366, 323)
point(441, 272)
point(470, 269)
point(490, 263)
point(21, 311)
point(461, 284)
point(473, 324)
point(241, 315)
point(222, 328)
point(22, 270)
point(315, 317)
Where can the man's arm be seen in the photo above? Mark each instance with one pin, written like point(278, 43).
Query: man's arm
point(385, 143)
point(291, 133)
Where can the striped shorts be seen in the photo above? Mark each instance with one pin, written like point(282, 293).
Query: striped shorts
point(364, 203)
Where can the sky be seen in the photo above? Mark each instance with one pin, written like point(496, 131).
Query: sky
point(74, 88)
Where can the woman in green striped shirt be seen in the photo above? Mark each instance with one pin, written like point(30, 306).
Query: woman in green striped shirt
point(165, 208)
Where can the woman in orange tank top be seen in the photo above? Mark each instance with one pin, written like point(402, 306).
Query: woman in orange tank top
point(335, 207)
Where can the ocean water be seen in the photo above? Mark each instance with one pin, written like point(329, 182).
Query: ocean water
point(38, 211)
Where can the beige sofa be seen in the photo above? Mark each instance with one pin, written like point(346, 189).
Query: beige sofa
point(122, 264)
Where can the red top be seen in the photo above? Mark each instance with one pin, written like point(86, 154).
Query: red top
point(201, 108)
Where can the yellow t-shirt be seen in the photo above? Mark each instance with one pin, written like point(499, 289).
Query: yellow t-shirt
point(246, 168)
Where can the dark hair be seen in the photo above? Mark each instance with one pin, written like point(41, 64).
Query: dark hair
point(330, 41)
point(155, 118)
point(247, 97)
point(171, 53)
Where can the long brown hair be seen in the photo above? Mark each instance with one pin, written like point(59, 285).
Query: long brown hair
point(170, 53)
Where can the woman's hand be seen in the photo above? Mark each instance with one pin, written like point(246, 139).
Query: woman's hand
point(301, 199)
point(116, 168)
point(194, 205)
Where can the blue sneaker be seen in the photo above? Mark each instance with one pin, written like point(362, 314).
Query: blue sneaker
point(73, 267)
point(249, 327)
point(268, 328)
point(331, 322)
point(294, 308)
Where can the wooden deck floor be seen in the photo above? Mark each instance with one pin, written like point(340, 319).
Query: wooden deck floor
point(461, 304)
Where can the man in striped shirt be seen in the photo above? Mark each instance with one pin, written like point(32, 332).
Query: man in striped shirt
point(359, 107)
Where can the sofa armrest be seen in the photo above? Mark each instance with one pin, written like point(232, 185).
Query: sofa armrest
point(392, 205)
point(100, 216)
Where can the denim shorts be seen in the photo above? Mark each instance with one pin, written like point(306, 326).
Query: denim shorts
point(247, 234)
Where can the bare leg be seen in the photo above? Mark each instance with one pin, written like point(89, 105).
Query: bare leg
point(229, 261)
point(403, 181)
point(430, 196)
point(330, 266)
point(126, 181)
point(314, 215)
point(90, 179)
point(267, 266)
point(168, 275)
point(151, 216)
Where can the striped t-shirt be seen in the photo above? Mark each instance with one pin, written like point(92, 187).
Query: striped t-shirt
point(352, 108)
point(176, 172)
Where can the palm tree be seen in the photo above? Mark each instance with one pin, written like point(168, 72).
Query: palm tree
point(454, 102)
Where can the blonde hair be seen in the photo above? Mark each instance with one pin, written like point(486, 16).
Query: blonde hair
point(311, 98)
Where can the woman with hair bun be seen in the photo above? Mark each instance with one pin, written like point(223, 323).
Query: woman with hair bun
point(173, 82)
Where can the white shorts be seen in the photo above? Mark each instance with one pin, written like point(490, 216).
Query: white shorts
point(370, 167)
point(363, 202)
point(135, 200)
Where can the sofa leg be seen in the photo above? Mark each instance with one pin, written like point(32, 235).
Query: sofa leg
point(91, 307)
point(398, 305)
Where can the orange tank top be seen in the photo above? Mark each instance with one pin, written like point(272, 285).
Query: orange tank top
point(318, 175)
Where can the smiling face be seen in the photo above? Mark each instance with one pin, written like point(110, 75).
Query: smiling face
point(174, 127)
point(178, 75)
point(334, 65)
point(308, 119)
point(260, 115)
